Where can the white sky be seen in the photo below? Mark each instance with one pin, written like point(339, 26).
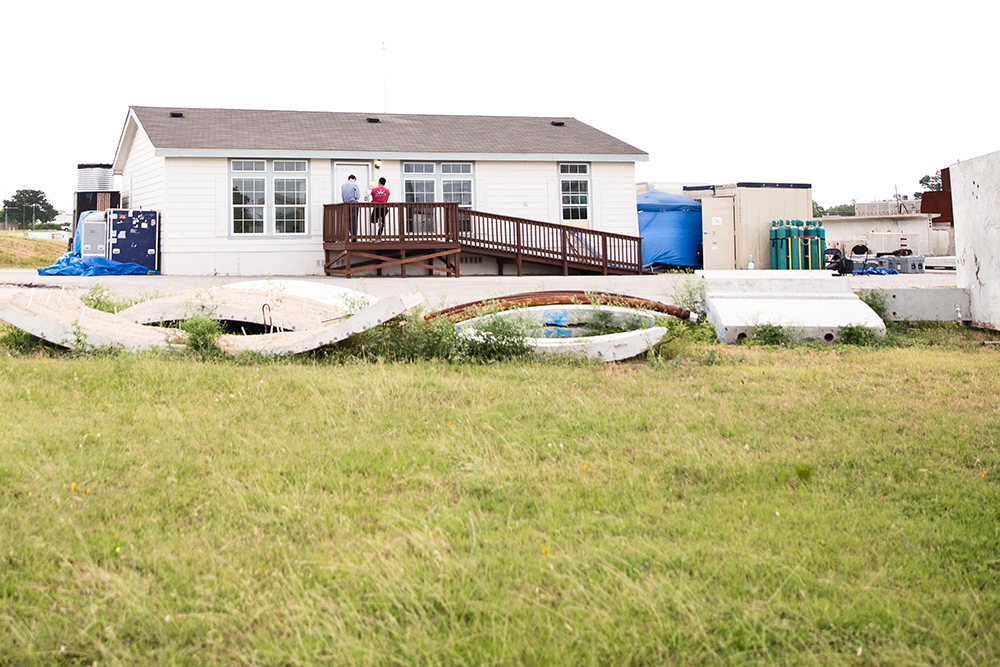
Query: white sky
point(853, 97)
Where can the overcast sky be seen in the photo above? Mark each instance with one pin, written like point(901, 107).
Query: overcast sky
point(855, 98)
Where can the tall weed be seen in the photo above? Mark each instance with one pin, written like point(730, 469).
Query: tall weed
point(877, 300)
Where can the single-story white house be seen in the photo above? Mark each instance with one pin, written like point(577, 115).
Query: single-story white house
point(241, 192)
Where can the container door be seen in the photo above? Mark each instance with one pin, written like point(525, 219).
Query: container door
point(718, 225)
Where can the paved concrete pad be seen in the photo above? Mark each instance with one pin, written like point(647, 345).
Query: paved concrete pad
point(440, 291)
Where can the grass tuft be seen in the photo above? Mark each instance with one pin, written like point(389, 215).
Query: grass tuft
point(769, 334)
point(203, 335)
point(877, 300)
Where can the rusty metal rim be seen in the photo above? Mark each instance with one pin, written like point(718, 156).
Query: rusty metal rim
point(553, 298)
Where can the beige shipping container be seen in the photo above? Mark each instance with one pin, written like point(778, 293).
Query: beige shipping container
point(736, 220)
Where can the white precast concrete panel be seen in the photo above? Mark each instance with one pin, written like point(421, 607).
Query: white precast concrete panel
point(333, 295)
point(808, 304)
point(975, 196)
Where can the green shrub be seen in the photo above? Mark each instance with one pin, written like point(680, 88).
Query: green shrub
point(856, 334)
point(493, 339)
point(203, 335)
point(769, 334)
point(690, 294)
point(877, 300)
point(602, 322)
point(18, 341)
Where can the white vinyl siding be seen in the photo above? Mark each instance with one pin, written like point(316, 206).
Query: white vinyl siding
point(517, 189)
point(143, 175)
point(613, 192)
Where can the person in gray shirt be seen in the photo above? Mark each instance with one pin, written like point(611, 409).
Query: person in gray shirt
point(350, 192)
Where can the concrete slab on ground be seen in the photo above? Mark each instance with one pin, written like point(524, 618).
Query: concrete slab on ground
point(809, 305)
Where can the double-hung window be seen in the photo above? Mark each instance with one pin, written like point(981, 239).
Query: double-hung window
point(456, 186)
point(440, 181)
point(418, 182)
point(574, 185)
point(456, 183)
point(289, 197)
point(270, 197)
point(249, 196)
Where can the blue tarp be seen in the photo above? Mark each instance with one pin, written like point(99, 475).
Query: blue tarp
point(670, 227)
point(77, 236)
point(72, 264)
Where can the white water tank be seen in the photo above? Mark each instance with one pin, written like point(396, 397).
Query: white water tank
point(94, 178)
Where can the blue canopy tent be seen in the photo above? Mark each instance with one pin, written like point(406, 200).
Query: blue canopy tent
point(670, 227)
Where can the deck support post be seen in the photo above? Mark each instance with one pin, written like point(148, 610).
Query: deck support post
point(565, 257)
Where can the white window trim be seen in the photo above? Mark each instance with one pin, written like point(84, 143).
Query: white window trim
point(270, 218)
point(438, 177)
point(585, 177)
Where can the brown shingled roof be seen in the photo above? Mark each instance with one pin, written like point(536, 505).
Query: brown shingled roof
point(248, 129)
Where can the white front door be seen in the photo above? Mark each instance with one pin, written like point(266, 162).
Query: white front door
point(361, 172)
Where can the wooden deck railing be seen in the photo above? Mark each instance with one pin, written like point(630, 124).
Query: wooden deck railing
point(519, 239)
point(514, 239)
point(406, 223)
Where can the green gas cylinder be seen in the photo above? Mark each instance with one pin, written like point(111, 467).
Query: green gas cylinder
point(795, 245)
point(810, 244)
point(821, 235)
point(773, 239)
point(782, 246)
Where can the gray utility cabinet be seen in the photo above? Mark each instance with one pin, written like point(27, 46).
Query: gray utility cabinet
point(94, 238)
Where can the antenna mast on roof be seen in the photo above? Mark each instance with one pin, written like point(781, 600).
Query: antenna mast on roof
point(385, 108)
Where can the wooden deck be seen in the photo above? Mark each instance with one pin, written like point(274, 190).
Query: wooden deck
point(362, 237)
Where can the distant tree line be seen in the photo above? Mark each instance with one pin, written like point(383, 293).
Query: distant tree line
point(929, 183)
point(26, 206)
point(842, 209)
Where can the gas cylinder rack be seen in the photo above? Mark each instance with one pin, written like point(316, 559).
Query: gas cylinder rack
point(797, 244)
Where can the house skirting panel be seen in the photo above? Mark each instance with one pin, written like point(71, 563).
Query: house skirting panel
point(304, 263)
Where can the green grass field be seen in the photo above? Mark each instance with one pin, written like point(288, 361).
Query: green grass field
point(757, 505)
point(18, 252)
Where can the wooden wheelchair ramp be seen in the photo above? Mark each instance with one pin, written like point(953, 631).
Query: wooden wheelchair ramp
point(363, 237)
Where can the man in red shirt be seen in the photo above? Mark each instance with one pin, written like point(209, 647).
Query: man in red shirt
point(380, 195)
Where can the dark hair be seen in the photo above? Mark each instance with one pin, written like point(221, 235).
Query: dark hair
point(381, 181)
point(351, 178)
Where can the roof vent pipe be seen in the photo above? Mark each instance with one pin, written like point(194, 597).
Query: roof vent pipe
point(373, 120)
point(176, 114)
point(558, 123)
